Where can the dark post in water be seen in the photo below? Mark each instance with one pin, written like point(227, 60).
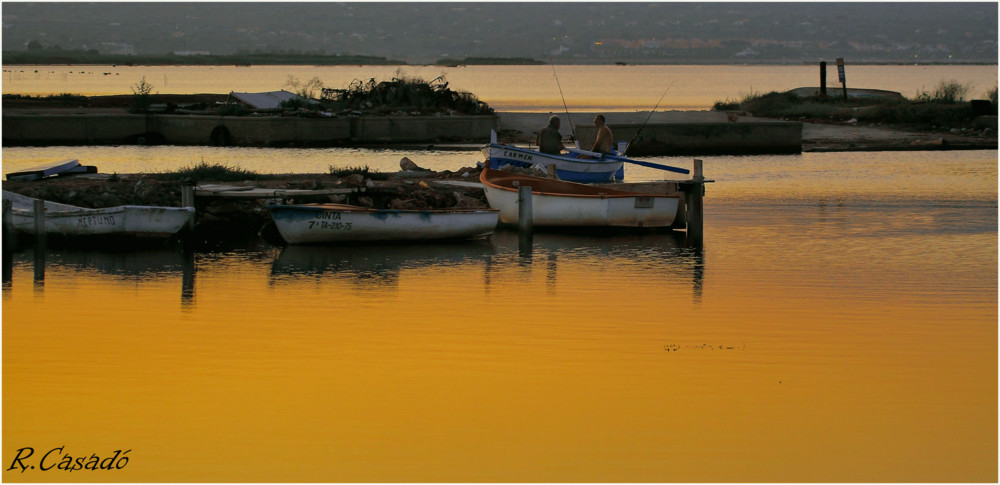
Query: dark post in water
point(841, 75)
point(822, 79)
point(524, 219)
point(695, 191)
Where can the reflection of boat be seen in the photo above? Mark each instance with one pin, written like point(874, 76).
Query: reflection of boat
point(568, 167)
point(331, 223)
point(126, 220)
point(567, 204)
point(369, 260)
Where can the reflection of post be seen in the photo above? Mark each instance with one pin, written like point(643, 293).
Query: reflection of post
point(699, 274)
point(187, 278)
point(39, 266)
point(524, 218)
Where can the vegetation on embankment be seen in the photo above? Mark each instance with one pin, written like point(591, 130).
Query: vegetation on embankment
point(401, 95)
point(946, 107)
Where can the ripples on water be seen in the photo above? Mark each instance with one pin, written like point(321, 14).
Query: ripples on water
point(839, 321)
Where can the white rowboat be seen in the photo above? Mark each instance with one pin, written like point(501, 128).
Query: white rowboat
point(334, 223)
point(126, 220)
point(567, 204)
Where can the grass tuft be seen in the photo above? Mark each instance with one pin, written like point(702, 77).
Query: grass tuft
point(205, 171)
point(363, 170)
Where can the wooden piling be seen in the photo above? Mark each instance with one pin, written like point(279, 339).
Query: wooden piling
point(524, 214)
point(551, 172)
point(9, 239)
point(695, 209)
point(187, 200)
point(822, 79)
point(39, 214)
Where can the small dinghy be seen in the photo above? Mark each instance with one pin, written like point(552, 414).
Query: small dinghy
point(138, 221)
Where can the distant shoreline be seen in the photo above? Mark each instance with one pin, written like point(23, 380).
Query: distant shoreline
point(72, 58)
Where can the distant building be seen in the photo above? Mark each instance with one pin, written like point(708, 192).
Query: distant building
point(117, 48)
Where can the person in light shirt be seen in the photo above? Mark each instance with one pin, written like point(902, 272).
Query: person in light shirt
point(603, 142)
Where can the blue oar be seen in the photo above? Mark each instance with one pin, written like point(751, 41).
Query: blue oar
point(650, 164)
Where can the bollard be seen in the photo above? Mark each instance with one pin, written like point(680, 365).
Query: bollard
point(822, 79)
point(551, 172)
point(39, 214)
point(524, 214)
point(9, 239)
point(187, 200)
point(695, 224)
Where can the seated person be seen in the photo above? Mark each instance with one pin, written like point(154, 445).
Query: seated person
point(603, 143)
point(549, 138)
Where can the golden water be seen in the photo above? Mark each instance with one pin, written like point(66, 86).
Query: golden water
point(842, 327)
point(511, 88)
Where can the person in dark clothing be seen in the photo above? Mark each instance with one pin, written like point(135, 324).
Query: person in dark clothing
point(549, 138)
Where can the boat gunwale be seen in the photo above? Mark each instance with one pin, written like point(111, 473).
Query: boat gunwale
point(600, 192)
point(322, 207)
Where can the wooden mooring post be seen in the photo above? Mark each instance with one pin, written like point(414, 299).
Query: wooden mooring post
point(9, 239)
point(694, 192)
point(187, 200)
point(39, 215)
point(525, 216)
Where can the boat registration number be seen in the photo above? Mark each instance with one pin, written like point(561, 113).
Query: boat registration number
point(329, 226)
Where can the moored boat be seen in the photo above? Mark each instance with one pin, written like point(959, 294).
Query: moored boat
point(576, 165)
point(558, 203)
point(569, 166)
point(136, 221)
point(336, 223)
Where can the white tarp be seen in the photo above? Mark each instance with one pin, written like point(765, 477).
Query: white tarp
point(267, 100)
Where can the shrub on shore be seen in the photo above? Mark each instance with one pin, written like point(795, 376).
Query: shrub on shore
point(945, 106)
point(216, 172)
point(365, 171)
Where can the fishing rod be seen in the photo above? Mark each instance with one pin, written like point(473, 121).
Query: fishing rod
point(568, 119)
point(648, 117)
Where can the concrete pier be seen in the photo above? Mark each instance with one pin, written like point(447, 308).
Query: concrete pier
point(273, 131)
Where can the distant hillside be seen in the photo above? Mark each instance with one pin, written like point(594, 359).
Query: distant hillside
point(577, 32)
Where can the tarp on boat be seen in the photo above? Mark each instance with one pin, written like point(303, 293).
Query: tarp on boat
point(268, 100)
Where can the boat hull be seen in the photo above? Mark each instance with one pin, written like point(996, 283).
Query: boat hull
point(335, 223)
point(568, 168)
point(127, 220)
point(564, 204)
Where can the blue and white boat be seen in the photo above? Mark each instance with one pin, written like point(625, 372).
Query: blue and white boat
point(568, 166)
point(581, 166)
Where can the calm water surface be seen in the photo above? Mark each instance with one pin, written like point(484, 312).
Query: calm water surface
point(839, 324)
point(510, 88)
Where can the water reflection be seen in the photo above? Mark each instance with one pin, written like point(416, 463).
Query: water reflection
point(373, 264)
point(665, 255)
point(137, 264)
